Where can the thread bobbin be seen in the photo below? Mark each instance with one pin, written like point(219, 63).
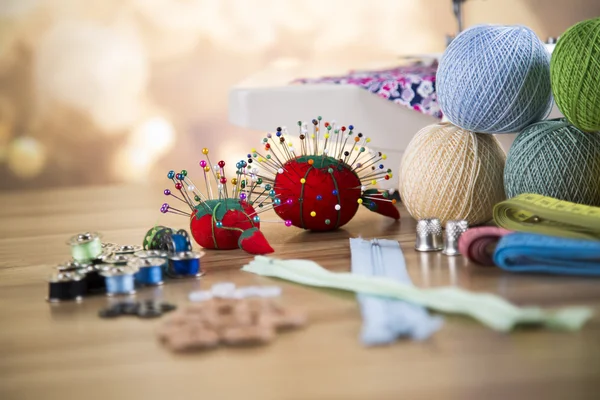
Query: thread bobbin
point(66, 286)
point(176, 242)
point(127, 249)
point(119, 281)
point(185, 264)
point(85, 246)
point(148, 270)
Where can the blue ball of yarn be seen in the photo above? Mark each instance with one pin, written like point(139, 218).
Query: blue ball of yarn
point(495, 79)
point(554, 158)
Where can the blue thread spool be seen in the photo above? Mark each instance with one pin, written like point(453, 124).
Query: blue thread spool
point(185, 264)
point(154, 254)
point(178, 242)
point(149, 270)
point(119, 281)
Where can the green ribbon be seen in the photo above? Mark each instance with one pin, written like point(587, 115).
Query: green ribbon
point(487, 308)
point(534, 213)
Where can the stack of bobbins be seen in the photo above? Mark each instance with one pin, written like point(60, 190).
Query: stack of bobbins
point(79, 276)
point(115, 270)
point(117, 274)
point(176, 247)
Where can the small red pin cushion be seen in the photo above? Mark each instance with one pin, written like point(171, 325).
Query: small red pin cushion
point(321, 185)
point(220, 221)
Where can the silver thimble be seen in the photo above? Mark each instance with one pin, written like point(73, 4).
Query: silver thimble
point(454, 229)
point(429, 235)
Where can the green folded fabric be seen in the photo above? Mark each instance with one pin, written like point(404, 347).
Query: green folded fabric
point(534, 213)
point(489, 309)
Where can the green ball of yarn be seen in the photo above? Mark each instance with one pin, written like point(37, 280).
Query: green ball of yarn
point(554, 158)
point(575, 74)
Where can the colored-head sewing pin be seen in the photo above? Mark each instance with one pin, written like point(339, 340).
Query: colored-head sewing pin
point(320, 185)
point(225, 220)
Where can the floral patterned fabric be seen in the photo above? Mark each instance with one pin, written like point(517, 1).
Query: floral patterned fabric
point(412, 86)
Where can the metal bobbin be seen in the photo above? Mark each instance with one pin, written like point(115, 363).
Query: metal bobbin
point(66, 286)
point(102, 257)
point(85, 246)
point(185, 264)
point(127, 249)
point(150, 254)
point(118, 259)
point(149, 271)
point(158, 239)
point(119, 281)
point(176, 242)
point(109, 247)
point(71, 266)
point(153, 236)
point(96, 283)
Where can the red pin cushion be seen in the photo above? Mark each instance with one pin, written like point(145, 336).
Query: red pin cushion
point(311, 187)
point(224, 227)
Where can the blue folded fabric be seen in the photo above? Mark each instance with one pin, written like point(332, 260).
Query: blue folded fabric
point(529, 252)
point(384, 319)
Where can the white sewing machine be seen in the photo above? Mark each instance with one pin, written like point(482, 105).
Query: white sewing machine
point(268, 99)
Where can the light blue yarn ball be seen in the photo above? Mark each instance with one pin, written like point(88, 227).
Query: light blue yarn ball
point(495, 79)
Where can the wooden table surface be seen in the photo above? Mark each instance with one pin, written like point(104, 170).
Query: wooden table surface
point(66, 351)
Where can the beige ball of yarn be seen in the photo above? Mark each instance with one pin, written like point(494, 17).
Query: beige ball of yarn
point(451, 173)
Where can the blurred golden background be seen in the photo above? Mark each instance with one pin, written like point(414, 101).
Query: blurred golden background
point(108, 91)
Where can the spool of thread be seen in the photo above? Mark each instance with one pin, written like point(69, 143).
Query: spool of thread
point(452, 174)
point(89, 272)
point(96, 283)
point(554, 158)
point(185, 264)
point(478, 244)
point(119, 281)
point(85, 246)
point(153, 238)
point(495, 79)
point(66, 286)
point(177, 242)
point(149, 270)
point(575, 74)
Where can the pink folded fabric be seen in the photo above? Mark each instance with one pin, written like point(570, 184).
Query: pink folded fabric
point(411, 86)
point(478, 244)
